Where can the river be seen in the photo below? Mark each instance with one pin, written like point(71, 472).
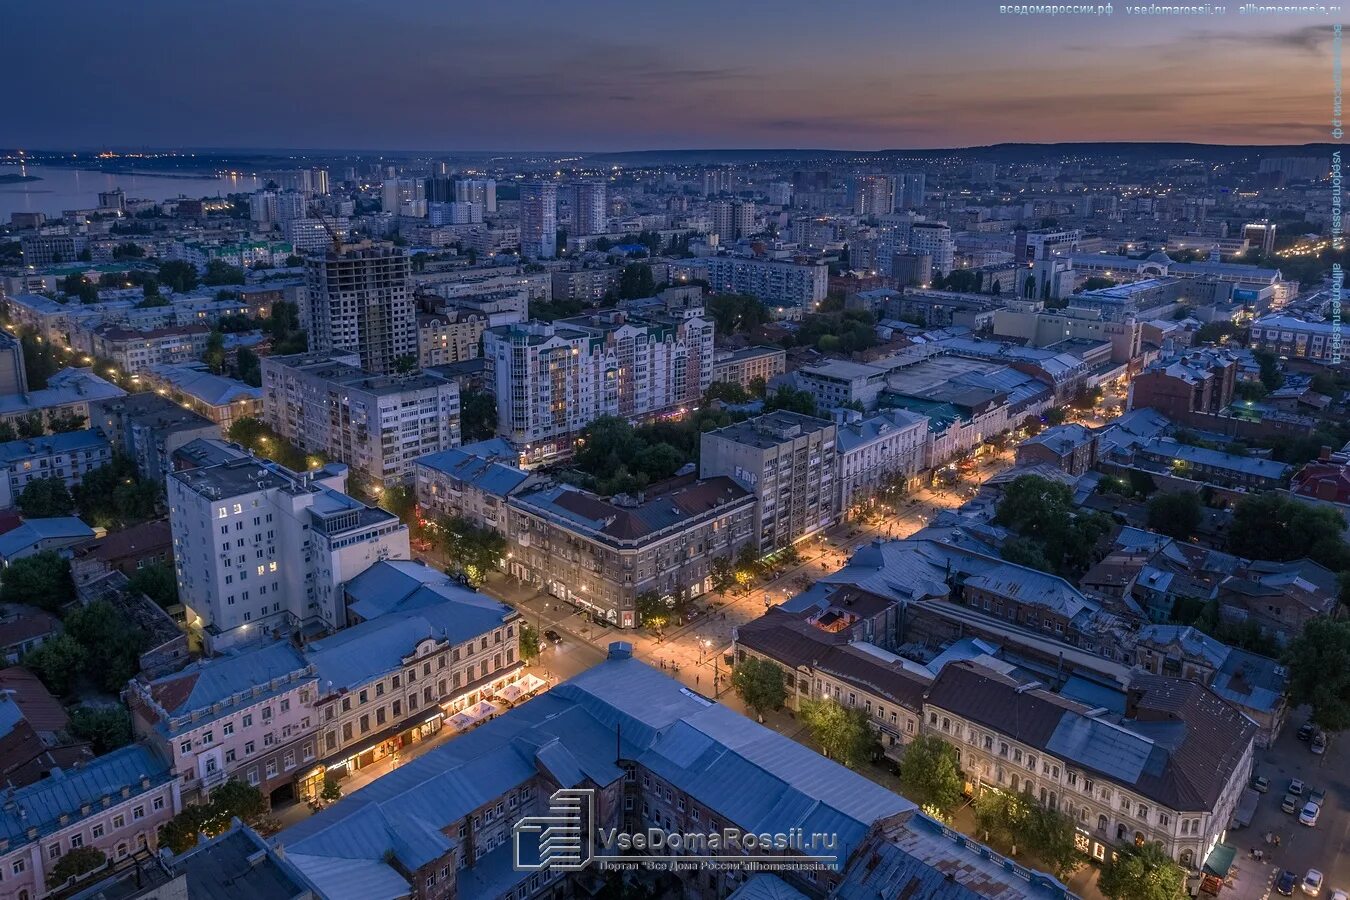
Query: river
point(61, 189)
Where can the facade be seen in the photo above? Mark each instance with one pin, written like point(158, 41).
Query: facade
point(934, 239)
point(247, 716)
point(590, 210)
point(459, 484)
point(260, 548)
point(1291, 336)
point(873, 195)
point(1072, 448)
point(1198, 381)
point(217, 398)
point(882, 450)
point(788, 461)
point(602, 554)
point(136, 351)
point(790, 289)
point(1169, 768)
point(13, 375)
point(67, 457)
point(745, 366)
point(838, 382)
point(552, 380)
point(539, 220)
point(149, 428)
point(360, 301)
point(377, 424)
point(449, 337)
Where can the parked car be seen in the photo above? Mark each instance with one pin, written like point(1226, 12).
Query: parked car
point(553, 636)
point(1318, 796)
point(1285, 883)
point(1296, 787)
point(1318, 744)
point(1305, 731)
point(1261, 784)
point(1339, 895)
point(1312, 883)
point(1289, 804)
point(1309, 815)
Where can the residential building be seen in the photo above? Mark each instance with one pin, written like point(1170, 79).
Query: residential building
point(788, 461)
point(1169, 767)
point(836, 383)
point(1030, 321)
point(934, 239)
point(1072, 448)
point(601, 554)
point(477, 190)
point(218, 398)
point(449, 337)
point(880, 451)
point(38, 535)
point(909, 190)
point(66, 456)
point(297, 535)
point(377, 424)
point(247, 715)
point(590, 209)
point(873, 195)
point(732, 220)
point(68, 394)
point(789, 289)
point(1280, 598)
point(134, 351)
point(462, 484)
point(149, 428)
point(1200, 464)
point(52, 249)
point(308, 235)
point(554, 379)
point(1198, 381)
point(539, 220)
point(360, 301)
point(1295, 337)
point(126, 550)
point(13, 375)
point(752, 363)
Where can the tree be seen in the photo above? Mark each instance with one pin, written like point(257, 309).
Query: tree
point(844, 733)
point(181, 833)
point(477, 415)
point(1002, 818)
point(214, 354)
point(56, 662)
point(178, 275)
point(128, 250)
point(930, 774)
point(1055, 416)
point(1050, 837)
point(529, 644)
point(1319, 671)
point(331, 791)
point(78, 286)
point(1277, 527)
point(636, 281)
point(42, 580)
point(760, 683)
point(1145, 872)
point(723, 573)
point(736, 313)
point(1042, 511)
point(219, 272)
point(64, 421)
point(31, 425)
point(114, 495)
point(105, 727)
point(792, 400)
point(249, 367)
point(73, 863)
point(472, 551)
point(158, 582)
point(652, 611)
point(112, 643)
point(1175, 514)
point(44, 498)
point(233, 799)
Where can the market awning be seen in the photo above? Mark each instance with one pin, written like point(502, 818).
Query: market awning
point(1220, 860)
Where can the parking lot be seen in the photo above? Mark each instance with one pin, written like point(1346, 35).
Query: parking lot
point(1321, 847)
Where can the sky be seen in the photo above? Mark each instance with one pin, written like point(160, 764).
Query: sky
point(596, 75)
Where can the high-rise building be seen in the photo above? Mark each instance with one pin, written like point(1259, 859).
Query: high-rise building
point(291, 205)
point(260, 548)
point(873, 195)
point(377, 424)
point(477, 190)
point(590, 210)
point(1260, 236)
point(714, 181)
point(934, 239)
point(790, 289)
point(452, 213)
point(539, 220)
point(404, 197)
point(319, 179)
point(360, 301)
point(909, 190)
point(779, 193)
point(262, 207)
point(733, 220)
point(440, 189)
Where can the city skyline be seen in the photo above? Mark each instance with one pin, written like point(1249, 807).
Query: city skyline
point(604, 77)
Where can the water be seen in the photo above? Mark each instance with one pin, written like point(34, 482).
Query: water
point(61, 189)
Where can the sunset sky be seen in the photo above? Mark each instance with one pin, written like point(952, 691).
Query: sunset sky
point(526, 75)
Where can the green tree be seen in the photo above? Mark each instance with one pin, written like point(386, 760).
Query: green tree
point(128, 250)
point(78, 286)
point(219, 272)
point(249, 367)
point(114, 495)
point(723, 573)
point(477, 415)
point(930, 774)
point(1055, 416)
point(182, 832)
point(64, 421)
point(158, 582)
point(1002, 818)
point(73, 863)
point(233, 799)
point(112, 644)
point(760, 683)
point(214, 354)
point(472, 551)
point(178, 275)
point(529, 644)
point(736, 313)
point(636, 281)
point(31, 425)
point(44, 498)
point(1145, 872)
point(42, 580)
point(1042, 511)
point(1276, 527)
point(652, 611)
point(105, 727)
point(792, 400)
point(844, 733)
point(56, 662)
point(1050, 837)
point(332, 791)
point(1175, 514)
point(1319, 671)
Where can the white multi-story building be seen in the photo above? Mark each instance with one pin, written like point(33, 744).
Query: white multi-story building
point(732, 220)
point(873, 195)
point(934, 239)
point(377, 424)
point(555, 379)
point(404, 197)
point(789, 289)
point(258, 547)
point(135, 351)
point(66, 456)
point(539, 220)
point(590, 212)
point(307, 235)
point(360, 301)
point(477, 190)
point(875, 451)
point(909, 190)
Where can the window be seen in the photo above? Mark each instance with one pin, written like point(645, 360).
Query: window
point(119, 821)
point(185, 747)
point(97, 831)
point(18, 867)
point(228, 729)
point(76, 841)
point(54, 850)
point(253, 776)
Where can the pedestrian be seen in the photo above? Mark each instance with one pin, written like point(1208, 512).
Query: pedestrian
point(1277, 840)
point(696, 680)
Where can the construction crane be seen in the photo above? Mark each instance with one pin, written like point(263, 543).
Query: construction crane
point(333, 235)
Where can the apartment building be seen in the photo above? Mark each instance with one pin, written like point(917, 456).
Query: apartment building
point(601, 554)
point(135, 351)
point(449, 337)
point(1294, 337)
point(258, 547)
point(1199, 381)
point(789, 289)
point(360, 301)
point(459, 484)
point(838, 382)
point(788, 461)
point(377, 424)
point(149, 428)
point(555, 379)
point(745, 366)
point(67, 456)
point(1168, 768)
point(592, 284)
point(879, 451)
point(192, 385)
point(247, 715)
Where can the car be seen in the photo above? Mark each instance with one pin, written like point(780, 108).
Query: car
point(1318, 796)
point(1318, 744)
point(1289, 804)
point(1296, 787)
point(1305, 731)
point(1339, 895)
point(1312, 883)
point(1309, 815)
point(1261, 784)
point(553, 636)
point(1285, 883)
